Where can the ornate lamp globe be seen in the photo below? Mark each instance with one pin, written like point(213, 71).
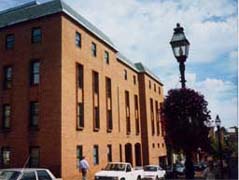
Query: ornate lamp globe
point(180, 44)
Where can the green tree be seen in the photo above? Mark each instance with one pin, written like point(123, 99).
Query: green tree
point(185, 116)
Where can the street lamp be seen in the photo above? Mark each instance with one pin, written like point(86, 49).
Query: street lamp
point(218, 124)
point(180, 47)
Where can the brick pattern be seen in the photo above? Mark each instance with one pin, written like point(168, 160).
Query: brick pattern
point(58, 95)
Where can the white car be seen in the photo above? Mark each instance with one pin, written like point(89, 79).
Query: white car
point(26, 174)
point(153, 172)
point(118, 171)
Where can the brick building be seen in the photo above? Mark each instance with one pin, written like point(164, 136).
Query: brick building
point(66, 91)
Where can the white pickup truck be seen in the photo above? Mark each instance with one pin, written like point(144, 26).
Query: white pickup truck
point(118, 171)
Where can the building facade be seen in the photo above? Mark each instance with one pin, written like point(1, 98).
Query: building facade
point(66, 91)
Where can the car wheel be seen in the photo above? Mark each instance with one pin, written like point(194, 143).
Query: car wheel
point(122, 178)
point(138, 178)
point(157, 178)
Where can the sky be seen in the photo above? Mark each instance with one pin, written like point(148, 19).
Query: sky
point(142, 29)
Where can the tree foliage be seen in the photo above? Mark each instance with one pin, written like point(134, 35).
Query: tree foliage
point(185, 116)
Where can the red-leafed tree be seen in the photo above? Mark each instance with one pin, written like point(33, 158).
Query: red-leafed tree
point(185, 116)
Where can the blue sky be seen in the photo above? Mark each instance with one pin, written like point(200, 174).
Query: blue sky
point(142, 29)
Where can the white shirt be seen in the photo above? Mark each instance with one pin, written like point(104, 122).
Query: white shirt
point(84, 164)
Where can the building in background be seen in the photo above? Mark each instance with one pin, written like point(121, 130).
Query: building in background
point(66, 91)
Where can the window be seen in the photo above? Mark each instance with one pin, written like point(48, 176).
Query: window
point(7, 77)
point(125, 74)
point(134, 79)
point(106, 57)
point(10, 41)
point(35, 73)
point(152, 116)
point(159, 90)
point(95, 82)
point(93, 49)
point(96, 118)
point(6, 116)
point(36, 35)
point(136, 105)
point(79, 155)
point(78, 39)
point(127, 112)
point(153, 145)
point(34, 160)
point(5, 157)
point(157, 117)
point(80, 76)
point(149, 84)
point(108, 104)
point(109, 153)
point(96, 154)
point(43, 175)
point(80, 115)
point(29, 176)
point(34, 114)
point(154, 87)
point(120, 151)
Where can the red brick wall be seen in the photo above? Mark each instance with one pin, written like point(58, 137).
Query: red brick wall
point(48, 93)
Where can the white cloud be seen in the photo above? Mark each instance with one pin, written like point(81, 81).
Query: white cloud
point(142, 30)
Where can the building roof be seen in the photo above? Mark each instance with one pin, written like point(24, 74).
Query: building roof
point(143, 69)
point(126, 61)
point(33, 10)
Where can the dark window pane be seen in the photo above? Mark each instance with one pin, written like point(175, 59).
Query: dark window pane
point(7, 77)
point(79, 154)
point(36, 35)
point(80, 76)
point(6, 116)
point(80, 115)
point(6, 155)
point(35, 73)
point(96, 155)
point(34, 157)
point(78, 39)
point(134, 79)
point(95, 82)
point(109, 153)
point(106, 57)
point(96, 118)
point(10, 40)
point(34, 114)
point(93, 49)
point(125, 74)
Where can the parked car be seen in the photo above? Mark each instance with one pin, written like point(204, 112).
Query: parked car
point(179, 169)
point(200, 166)
point(153, 172)
point(175, 170)
point(118, 171)
point(26, 174)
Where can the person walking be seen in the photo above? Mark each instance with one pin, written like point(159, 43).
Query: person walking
point(84, 167)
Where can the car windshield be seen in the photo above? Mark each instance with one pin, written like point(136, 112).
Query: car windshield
point(150, 168)
point(9, 175)
point(179, 165)
point(115, 167)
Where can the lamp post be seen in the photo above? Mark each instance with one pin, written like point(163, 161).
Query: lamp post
point(218, 124)
point(180, 47)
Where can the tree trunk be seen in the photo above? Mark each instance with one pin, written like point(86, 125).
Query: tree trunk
point(189, 168)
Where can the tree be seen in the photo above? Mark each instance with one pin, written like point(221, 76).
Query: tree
point(185, 117)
